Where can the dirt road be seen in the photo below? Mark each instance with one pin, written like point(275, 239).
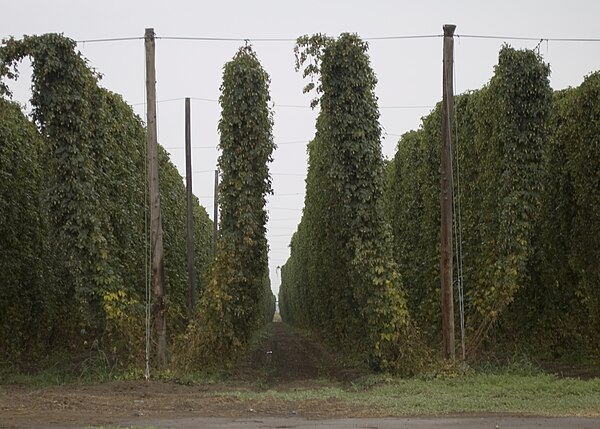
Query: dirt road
point(383, 423)
point(491, 422)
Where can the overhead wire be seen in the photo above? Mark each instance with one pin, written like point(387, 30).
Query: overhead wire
point(408, 107)
point(372, 38)
point(193, 147)
point(287, 194)
point(290, 208)
point(288, 174)
point(110, 39)
point(247, 39)
point(225, 39)
point(526, 38)
point(276, 105)
point(288, 39)
point(292, 142)
point(273, 195)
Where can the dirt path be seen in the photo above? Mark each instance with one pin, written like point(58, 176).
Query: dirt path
point(287, 358)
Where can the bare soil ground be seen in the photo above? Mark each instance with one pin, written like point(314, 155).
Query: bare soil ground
point(294, 363)
point(288, 358)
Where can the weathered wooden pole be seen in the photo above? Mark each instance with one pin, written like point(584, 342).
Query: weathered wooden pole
point(192, 295)
point(446, 195)
point(156, 234)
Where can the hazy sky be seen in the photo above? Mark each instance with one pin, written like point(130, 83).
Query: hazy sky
point(409, 71)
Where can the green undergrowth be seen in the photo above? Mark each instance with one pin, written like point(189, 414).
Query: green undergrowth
point(60, 369)
point(62, 372)
point(46, 377)
point(541, 394)
point(95, 367)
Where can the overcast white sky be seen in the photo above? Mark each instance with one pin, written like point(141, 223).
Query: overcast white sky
point(409, 71)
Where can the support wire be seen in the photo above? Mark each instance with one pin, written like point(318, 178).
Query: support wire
point(457, 221)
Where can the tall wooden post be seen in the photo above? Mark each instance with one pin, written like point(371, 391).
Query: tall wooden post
point(446, 195)
point(216, 211)
point(192, 294)
point(156, 234)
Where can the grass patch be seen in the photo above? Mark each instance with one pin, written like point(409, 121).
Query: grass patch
point(96, 369)
point(541, 394)
point(48, 374)
point(484, 393)
point(47, 377)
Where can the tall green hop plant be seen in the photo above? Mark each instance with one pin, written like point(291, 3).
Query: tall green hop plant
point(501, 131)
point(235, 300)
point(553, 315)
point(65, 98)
point(580, 134)
point(26, 327)
point(514, 110)
point(353, 281)
point(84, 205)
point(413, 209)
